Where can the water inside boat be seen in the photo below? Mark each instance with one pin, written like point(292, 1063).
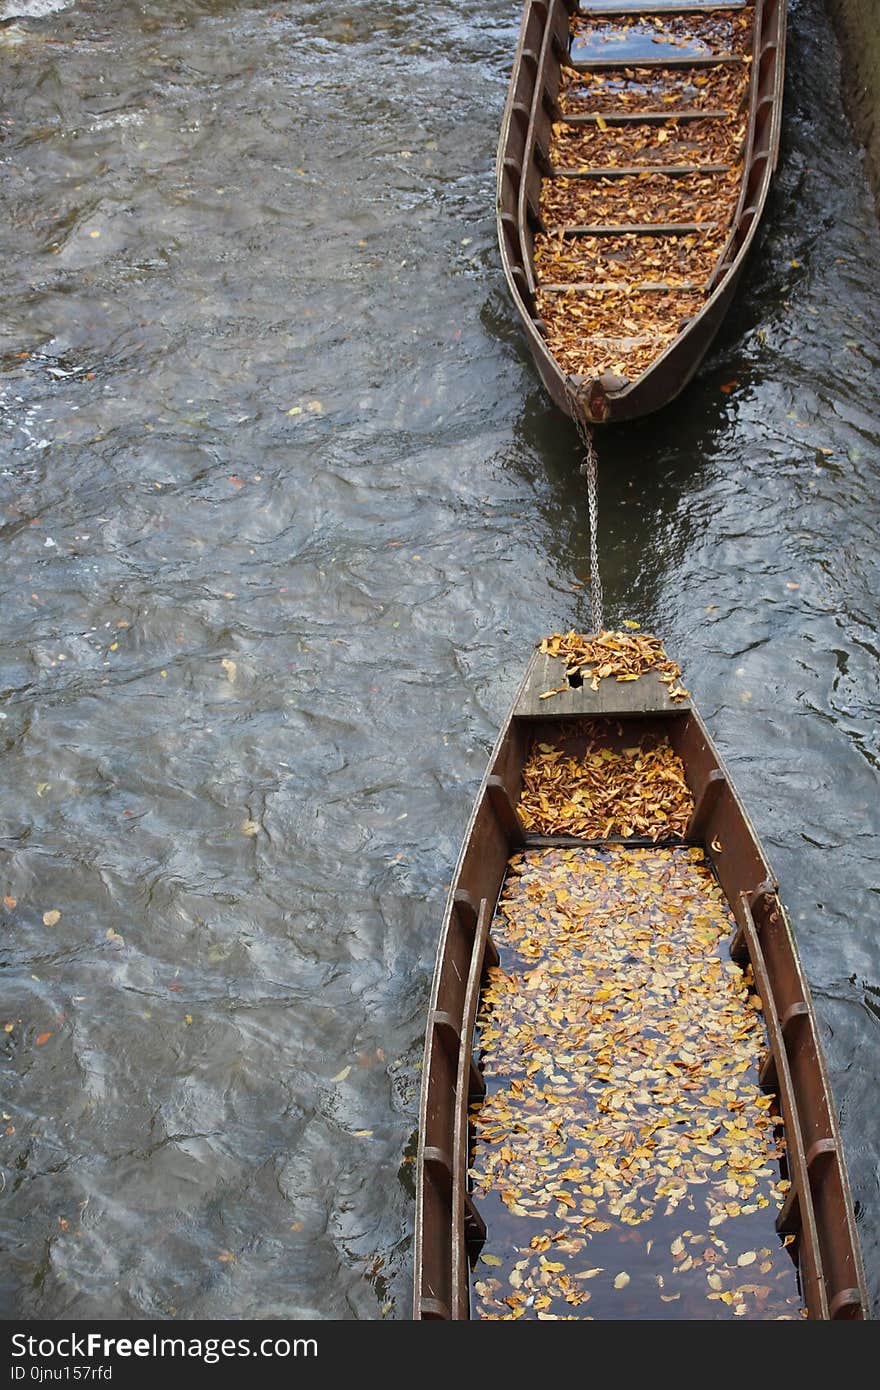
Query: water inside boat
point(626, 1159)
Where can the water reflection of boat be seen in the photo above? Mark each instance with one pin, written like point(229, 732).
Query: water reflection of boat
point(659, 929)
point(636, 151)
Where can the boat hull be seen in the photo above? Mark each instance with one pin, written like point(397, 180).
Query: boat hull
point(818, 1213)
point(523, 163)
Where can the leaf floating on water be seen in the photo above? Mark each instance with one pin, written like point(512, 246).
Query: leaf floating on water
point(341, 1075)
point(363, 1133)
point(10, 902)
point(226, 1257)
point(747, 1258)
point(115, 937)
point(51, 918)
point(621, 1280)
point(230, 668)
point(250, 827)
point(491, 1260)
point(42, 1038)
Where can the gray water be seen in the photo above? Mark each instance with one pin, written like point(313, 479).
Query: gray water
point(284, 508)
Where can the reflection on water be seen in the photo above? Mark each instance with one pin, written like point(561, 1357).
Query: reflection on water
point(284, 507)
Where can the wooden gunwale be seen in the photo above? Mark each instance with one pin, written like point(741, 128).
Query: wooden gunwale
point(818, 1211)
point(602, 400)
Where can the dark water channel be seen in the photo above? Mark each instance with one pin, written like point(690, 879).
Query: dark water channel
point(283, 507)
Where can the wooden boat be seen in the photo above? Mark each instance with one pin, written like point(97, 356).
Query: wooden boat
point(637, 146)
point(813, 1223)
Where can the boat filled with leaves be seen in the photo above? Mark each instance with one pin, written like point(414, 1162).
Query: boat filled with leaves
point(636, 151)
point(625, 1108)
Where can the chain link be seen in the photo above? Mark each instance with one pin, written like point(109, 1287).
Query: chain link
point(590, 470)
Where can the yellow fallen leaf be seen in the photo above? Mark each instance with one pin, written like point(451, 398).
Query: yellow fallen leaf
point(748, 1257)
point(491, 1260)
point(621, 1280)
point(229, 667)
point(341, 1075)
point(51, 918)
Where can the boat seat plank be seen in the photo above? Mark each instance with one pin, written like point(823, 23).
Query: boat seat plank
point(640, 7)
point(644, 117)
point(713, 60)
point(612, 286)
point(582, 842)
point(637, 171)
point(648, 694)
point(636, 229)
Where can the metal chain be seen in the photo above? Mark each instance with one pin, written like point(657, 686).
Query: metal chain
point(590, 470)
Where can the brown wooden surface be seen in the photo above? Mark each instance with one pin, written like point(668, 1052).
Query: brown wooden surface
point(646, 695)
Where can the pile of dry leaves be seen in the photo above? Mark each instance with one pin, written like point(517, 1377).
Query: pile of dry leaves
point(603, 792)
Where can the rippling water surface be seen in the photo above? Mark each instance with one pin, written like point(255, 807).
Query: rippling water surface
point(283, 507)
